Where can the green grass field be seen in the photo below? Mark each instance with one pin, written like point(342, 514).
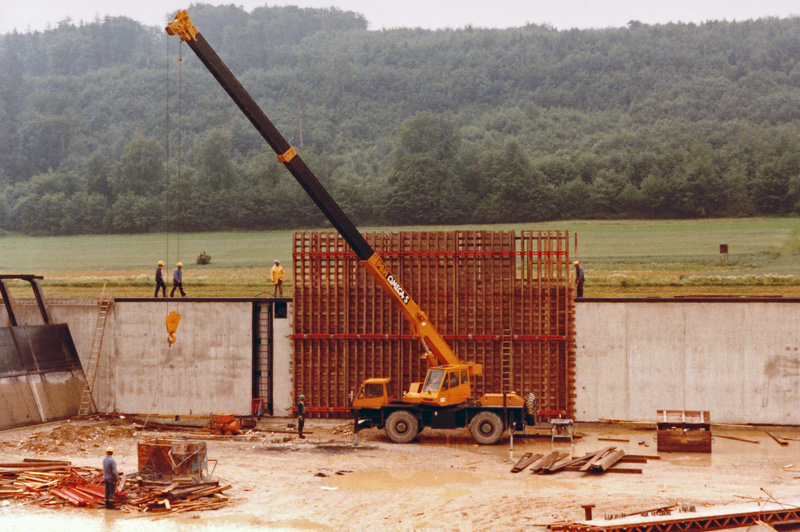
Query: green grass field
point(622, 259)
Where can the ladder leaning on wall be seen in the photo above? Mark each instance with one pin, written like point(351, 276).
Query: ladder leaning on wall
point(87, 403)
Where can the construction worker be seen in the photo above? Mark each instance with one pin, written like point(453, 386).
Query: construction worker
point(301, 415)
point(177, 281)
point(160, 280)
point(579, 278)
point(277, 275)
point(110, 478)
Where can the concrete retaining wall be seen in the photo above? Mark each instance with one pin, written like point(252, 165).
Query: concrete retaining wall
point(737, 359)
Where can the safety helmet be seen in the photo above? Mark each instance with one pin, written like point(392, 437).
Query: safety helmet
point(180, 265)
point(302, 396)
point(277, 261)
point(576, 263)
point(161, 263)
point(110, 450)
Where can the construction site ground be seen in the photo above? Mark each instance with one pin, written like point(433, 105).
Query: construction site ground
point(444, 481)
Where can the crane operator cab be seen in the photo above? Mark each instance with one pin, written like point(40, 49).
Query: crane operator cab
point(443, 386)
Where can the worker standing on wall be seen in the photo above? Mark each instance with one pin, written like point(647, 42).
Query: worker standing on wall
point(160, 280)
point(579, 278)
point(301, 415)
point(177, 281)
point(110, 478)
point(277, 275)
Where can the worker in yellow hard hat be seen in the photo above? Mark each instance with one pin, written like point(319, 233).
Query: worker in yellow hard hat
point(579, 278)
point(160, 280)
point(177, 280)
point(110, 477)
point(277, 274)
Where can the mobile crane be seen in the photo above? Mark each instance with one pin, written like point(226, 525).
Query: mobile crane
point(444, 399)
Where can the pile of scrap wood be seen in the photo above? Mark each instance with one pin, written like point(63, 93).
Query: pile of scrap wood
point(178, 496)
point(50, 483)
point(604, 460)
point(53, 483)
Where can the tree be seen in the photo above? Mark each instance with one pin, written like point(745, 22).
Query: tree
point(141, 170)
point(424, 185)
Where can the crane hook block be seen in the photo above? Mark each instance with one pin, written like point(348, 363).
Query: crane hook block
point(182, 26)
point(173, 318)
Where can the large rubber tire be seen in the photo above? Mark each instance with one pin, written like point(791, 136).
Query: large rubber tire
point(402, 426)
point(486, 428)
point(531, 409)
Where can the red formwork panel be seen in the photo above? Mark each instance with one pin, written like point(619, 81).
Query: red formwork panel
point(499, 298)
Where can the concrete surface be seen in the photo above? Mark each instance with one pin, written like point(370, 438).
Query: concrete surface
point(737, 359)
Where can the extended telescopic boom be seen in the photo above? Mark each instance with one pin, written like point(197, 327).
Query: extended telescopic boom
point(437, 349)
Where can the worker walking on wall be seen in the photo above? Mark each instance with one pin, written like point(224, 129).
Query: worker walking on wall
point(110, 478)
point(177, 281)
point(301, 415)
point(277, 275)
point(579, 278)
point(160, 280)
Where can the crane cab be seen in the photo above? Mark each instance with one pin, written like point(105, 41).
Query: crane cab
point(374, 393)
point(443, 386)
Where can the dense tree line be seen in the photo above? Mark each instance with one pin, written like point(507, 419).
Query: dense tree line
point(102, 129)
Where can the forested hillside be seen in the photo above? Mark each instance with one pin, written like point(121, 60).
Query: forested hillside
point(102, 129)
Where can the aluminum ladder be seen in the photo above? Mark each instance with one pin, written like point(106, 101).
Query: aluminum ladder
point(87, 402)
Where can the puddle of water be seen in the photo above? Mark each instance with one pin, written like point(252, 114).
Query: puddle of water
point(393, 479)
point(27, 519)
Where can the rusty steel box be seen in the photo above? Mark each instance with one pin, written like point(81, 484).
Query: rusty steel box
point(684, 431)
point(163, 459)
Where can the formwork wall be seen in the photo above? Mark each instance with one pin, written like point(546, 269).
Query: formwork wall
point(499, 298)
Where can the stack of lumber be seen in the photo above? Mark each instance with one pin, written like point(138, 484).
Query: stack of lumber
point(54, 484)
point(604, 460)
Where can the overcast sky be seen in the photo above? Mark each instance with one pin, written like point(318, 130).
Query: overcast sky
point(562, 14)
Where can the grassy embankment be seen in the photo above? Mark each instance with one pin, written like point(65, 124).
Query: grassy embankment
point(622, 259)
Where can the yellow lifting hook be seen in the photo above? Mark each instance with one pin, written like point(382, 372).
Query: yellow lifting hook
point(173, 318)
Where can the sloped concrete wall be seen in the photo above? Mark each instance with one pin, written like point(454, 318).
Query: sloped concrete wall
point(740, 360)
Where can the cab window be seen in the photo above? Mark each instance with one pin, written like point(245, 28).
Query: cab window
point(464, 377)
point(453, 379)
point(434, 380)
point(373, 390)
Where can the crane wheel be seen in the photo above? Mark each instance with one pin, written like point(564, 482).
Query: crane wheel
point(402, 426)
point(531, 409)
point(486, 428)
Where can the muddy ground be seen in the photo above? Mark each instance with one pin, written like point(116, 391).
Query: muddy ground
point(442, 482)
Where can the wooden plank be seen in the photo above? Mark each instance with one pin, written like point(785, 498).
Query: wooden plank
point(607, 461)
point(735, 438)
point(526, 460)
point(597, 457)
point(777, 439)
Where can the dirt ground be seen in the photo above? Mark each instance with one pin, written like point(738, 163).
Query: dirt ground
point(444, 481)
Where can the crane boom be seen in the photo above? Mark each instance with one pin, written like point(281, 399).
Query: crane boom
point(437, 349)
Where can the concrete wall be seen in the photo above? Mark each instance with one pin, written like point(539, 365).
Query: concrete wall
point(737, 359)
point(283, 364)
point(208, 369)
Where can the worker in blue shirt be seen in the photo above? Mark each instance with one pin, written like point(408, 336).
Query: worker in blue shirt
point(110, 478)
point(579, 278)
point(177, 281)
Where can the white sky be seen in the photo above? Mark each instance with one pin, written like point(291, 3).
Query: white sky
point(563, 14)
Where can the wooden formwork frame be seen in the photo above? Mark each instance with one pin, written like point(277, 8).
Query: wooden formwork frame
point(501, 299)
